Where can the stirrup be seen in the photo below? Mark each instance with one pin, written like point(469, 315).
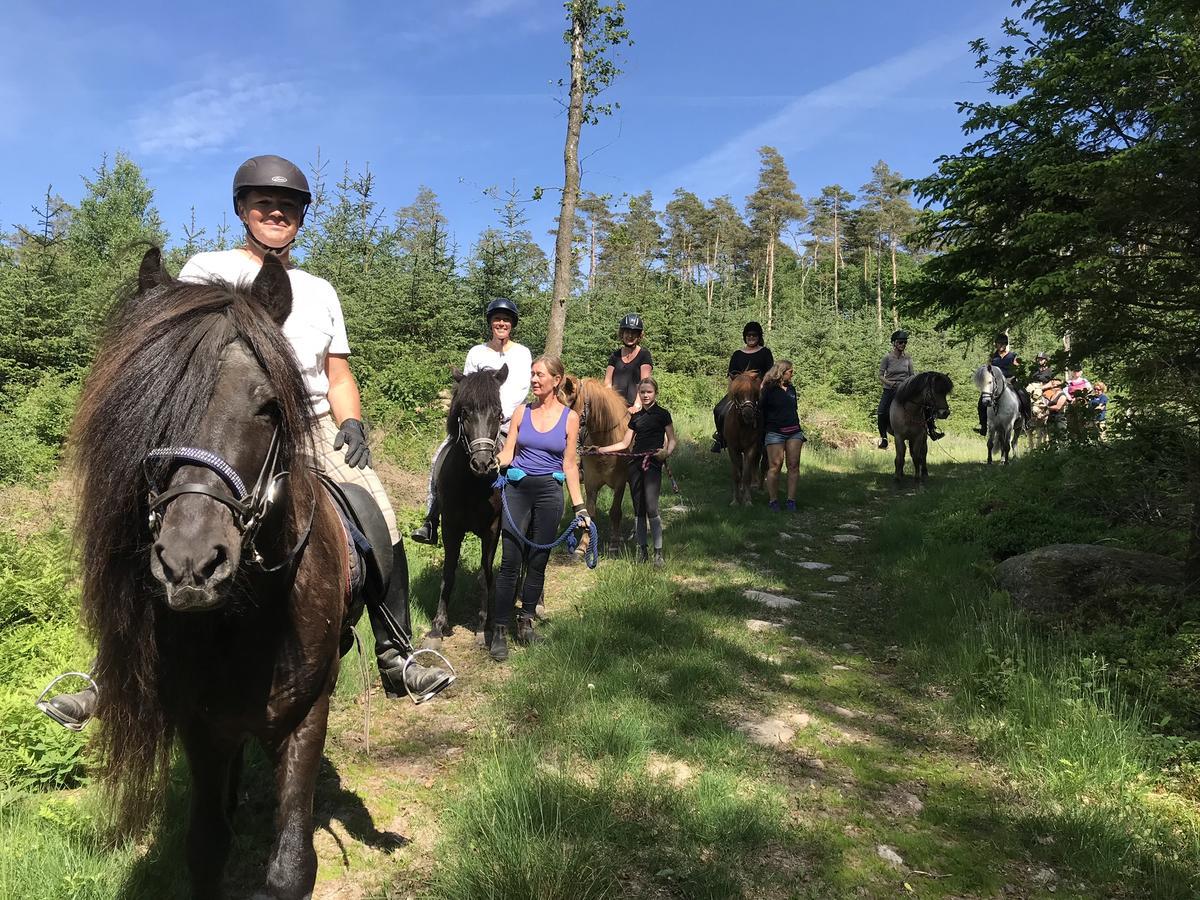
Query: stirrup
point(44, 705)
point(428, 695)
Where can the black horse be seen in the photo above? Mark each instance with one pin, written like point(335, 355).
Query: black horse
point(467, 501)
point(217, 597)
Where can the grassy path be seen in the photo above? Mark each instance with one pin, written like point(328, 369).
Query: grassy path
point(678, 738)
point(747, 722)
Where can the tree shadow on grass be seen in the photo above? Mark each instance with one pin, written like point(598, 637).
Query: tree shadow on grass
point(160, 873)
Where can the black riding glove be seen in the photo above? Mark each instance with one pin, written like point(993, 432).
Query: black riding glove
point(353, 436)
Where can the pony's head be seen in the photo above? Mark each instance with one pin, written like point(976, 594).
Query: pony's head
point(476, 415)
point(193, 387)
point(744, 396)
point(602, 411)
point(985, 378)
point(931, 390)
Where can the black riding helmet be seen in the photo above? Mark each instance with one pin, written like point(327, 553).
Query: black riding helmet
point(1042, 357)
point(900, 335)
point(753, 328)
point(631, 321)
point(502, 304)
point(270, 173)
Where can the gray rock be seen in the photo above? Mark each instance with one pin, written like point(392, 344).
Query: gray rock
point(814, 566)
point(887, 854)
point(838, 579)
point(1056, 578)
point(846, 538)
point(772, 601)
point(760, 626)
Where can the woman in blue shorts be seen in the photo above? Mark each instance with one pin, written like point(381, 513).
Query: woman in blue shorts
point(784, 437)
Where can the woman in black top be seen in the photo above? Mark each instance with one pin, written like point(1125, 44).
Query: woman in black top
point(650, 431)
point(752, 357)
point(784, 437)
point(630, 364)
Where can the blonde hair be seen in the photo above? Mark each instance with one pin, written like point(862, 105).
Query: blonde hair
point(555, 367)
point(775, 374)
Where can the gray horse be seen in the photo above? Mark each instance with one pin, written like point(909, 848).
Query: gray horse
point(918, 398)
point(1004, 419)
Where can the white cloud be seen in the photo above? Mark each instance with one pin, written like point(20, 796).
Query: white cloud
point(814, 116)
point(195, 117)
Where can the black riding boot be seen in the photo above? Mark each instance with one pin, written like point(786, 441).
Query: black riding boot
point(427, 533)
point(391, 625)
point(719, 421)
point(72, 710)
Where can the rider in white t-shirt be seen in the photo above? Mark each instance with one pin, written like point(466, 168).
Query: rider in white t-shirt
point(500, 350)
point(271, 197)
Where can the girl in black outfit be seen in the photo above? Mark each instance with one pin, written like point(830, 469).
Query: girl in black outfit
point(630, 364)
point(783, 436)
point(754, 356)
point(650, 431)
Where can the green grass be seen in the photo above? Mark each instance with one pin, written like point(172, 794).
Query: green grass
point(609, 764)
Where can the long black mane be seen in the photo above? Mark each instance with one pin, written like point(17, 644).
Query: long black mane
point(151, 382)
point(914, 387)
point(479, 390)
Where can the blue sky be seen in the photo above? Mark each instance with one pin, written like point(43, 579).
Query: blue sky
point(461, 95)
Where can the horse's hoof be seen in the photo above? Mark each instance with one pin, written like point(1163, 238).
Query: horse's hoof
point(432, 641)
point(481, 639)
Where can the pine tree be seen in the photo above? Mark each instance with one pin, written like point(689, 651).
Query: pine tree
point(772, 207)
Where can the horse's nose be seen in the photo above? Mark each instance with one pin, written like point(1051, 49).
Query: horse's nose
point(479, 466)
point(186, 567)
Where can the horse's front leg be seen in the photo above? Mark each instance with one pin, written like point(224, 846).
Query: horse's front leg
point(990, 439)
point(735, 466)
point(292, 869)
point(487, 563)
point(920, 454)
point(899, 476)
point(211, 761)
point(748, 461)
point(440, 627)
point(615, 515)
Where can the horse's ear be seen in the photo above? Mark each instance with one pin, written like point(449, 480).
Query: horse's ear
point(152, 272)
point(272, 289)
point(570, 385)
point(457, 374)
point(501, 374)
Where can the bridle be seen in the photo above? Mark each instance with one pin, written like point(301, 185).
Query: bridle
point(741, 405)
point(249, 508)
point(480, 445)
point(997, 376)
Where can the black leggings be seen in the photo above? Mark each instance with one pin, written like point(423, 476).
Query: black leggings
point(882, 415)
point(536, 506)
point(645, 487)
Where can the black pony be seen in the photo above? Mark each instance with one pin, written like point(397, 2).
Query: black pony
point(466, 498)
point(216, 610)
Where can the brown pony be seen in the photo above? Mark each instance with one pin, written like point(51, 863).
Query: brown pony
point(743, 433)
point(216, 610)
point(603, 419)
point(918, 397)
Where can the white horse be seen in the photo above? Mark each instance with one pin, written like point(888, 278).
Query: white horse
point(1005, 423)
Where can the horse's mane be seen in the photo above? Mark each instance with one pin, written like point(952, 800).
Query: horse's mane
point(745, 386)
point(914, 387)
point(479, 390)
point(151, 381)
point(607, 411)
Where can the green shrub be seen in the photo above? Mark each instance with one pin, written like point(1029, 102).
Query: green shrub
point(34, 426)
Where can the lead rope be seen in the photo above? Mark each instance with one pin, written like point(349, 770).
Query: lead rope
point(590, 556)
point(366, 680)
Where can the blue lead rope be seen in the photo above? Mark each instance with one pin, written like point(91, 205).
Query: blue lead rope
point(590, 556)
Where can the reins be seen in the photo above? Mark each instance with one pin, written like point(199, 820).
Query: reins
point(590, 556)
point(646, 457)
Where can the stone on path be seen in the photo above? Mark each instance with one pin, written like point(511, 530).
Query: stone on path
point(850, 526)
point(846, 538)
point(900, 802)
point(759, 625)
point(814, 566)
point(838, 579)
point(783, 553)
point(772, 601)
point(822, 595)
point(786, 536)
point(841, 668)
point(771, 732)
point(887, 854)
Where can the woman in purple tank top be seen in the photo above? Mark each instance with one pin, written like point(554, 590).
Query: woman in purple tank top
point(540, 453)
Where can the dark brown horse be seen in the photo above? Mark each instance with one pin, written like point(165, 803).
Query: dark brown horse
point(216, 610)
point(743, 433)
point(603, 419)
point(919, 397)
point(466, 498)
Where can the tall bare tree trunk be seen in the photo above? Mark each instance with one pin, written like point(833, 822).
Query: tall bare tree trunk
point(837, 259)
point(770, 282)
point(566, 214)
point(879, 290)
point(592, 256)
